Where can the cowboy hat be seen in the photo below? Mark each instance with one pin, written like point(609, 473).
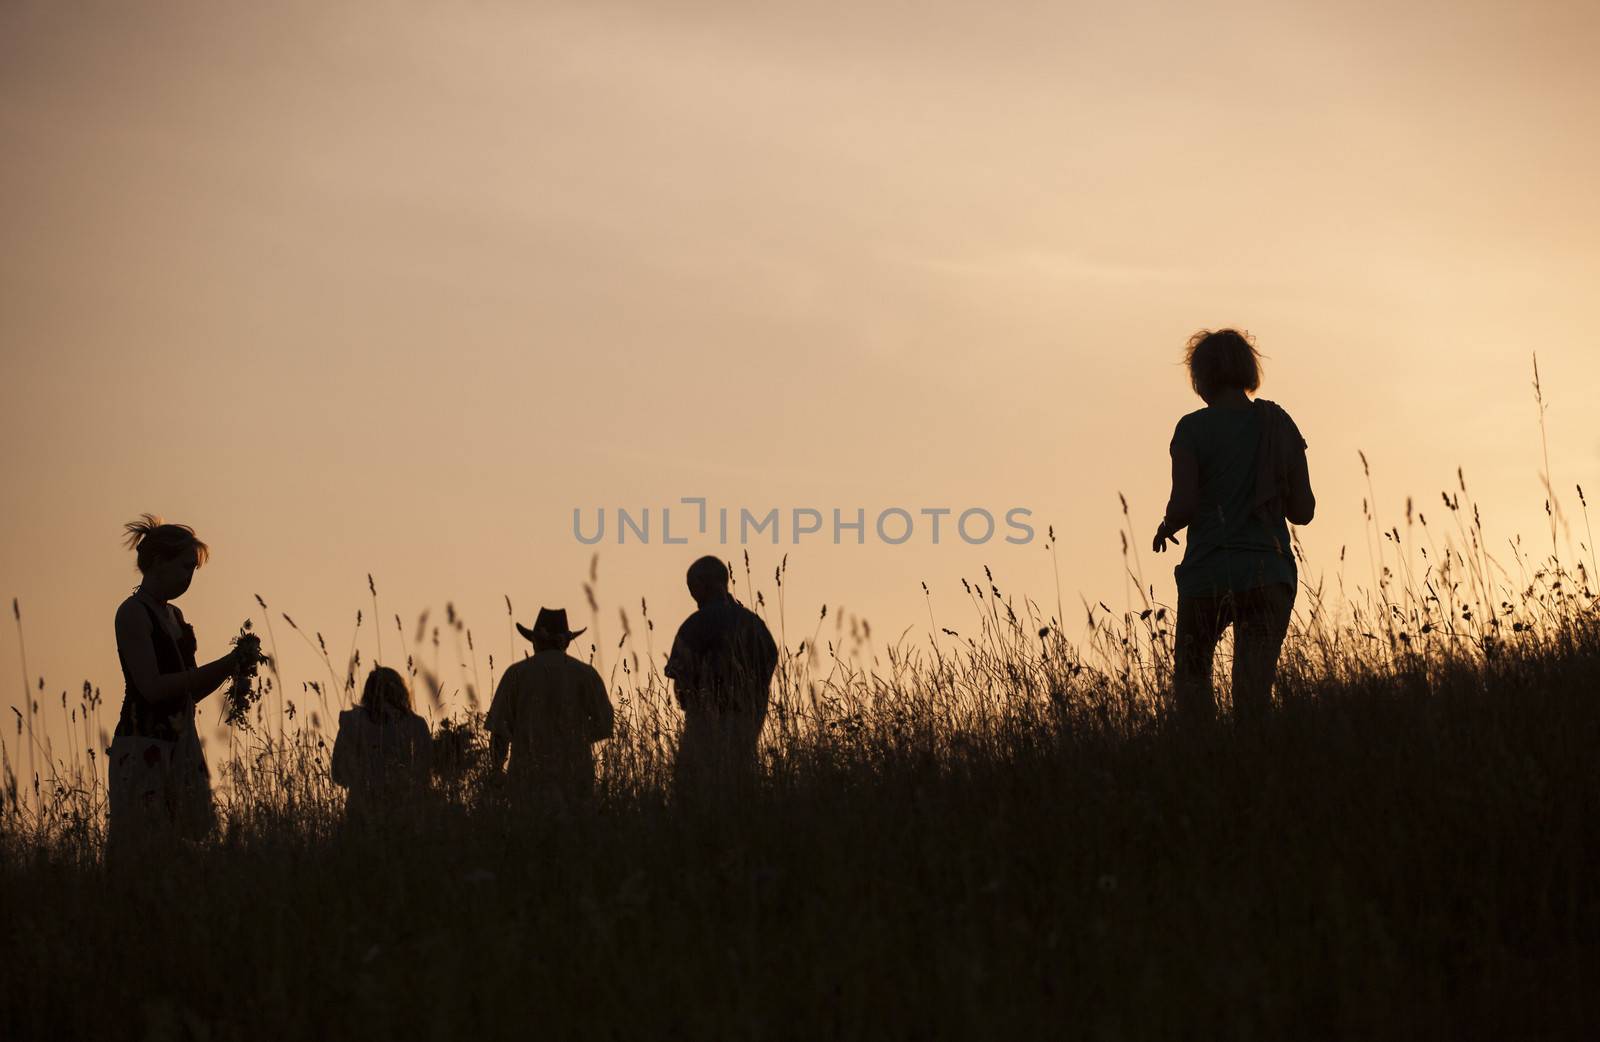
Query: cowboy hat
point(551, 624)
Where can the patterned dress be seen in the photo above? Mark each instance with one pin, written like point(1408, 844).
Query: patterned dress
point(160, 786)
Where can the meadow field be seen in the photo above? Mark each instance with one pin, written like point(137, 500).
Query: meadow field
point(985, 830)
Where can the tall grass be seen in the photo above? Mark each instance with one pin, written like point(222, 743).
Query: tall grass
point(991, 829)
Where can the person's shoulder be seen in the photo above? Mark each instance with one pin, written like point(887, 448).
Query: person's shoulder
point(573, 664)
point(1187, 426)
point(586, 671)
point(1272, 408)
point(131, 613)
point(351, 718)
point(751, 618)
point(583, 674)
point(1278, 414)
point(695, 622)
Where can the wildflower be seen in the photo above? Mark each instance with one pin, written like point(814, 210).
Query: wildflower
point(243, 692)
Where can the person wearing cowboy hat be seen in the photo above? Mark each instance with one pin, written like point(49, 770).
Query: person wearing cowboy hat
point(548, 711)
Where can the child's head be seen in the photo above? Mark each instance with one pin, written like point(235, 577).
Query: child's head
point(708, 578)
point(1221, 361)
point(385, 691)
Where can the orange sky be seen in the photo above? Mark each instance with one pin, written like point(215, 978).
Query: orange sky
point(392, 287)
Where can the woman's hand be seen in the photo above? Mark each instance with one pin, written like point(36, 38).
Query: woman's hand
point(1163, 534)
point(246, 653)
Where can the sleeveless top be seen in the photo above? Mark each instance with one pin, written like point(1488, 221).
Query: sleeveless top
point(163, 719)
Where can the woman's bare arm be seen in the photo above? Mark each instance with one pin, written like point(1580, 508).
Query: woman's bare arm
point(134, 630)
point(213, 675)
point(1302, 505)
point(1185, 497)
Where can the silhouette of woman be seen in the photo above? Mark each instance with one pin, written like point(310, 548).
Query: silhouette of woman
point(159, 784)
point(384, 749)
point(1238, 475)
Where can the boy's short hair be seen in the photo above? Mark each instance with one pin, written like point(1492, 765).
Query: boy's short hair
point(708, 573)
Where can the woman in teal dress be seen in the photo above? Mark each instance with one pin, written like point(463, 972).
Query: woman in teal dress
point(1239, 478)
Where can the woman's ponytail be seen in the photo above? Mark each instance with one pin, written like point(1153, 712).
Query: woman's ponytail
point(153, 539)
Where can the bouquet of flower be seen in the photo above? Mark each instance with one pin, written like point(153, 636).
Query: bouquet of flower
point(243, 692)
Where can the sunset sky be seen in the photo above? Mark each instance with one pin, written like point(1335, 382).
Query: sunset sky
point(394, 287)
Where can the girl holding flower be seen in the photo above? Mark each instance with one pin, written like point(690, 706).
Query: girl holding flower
point(160, 786)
